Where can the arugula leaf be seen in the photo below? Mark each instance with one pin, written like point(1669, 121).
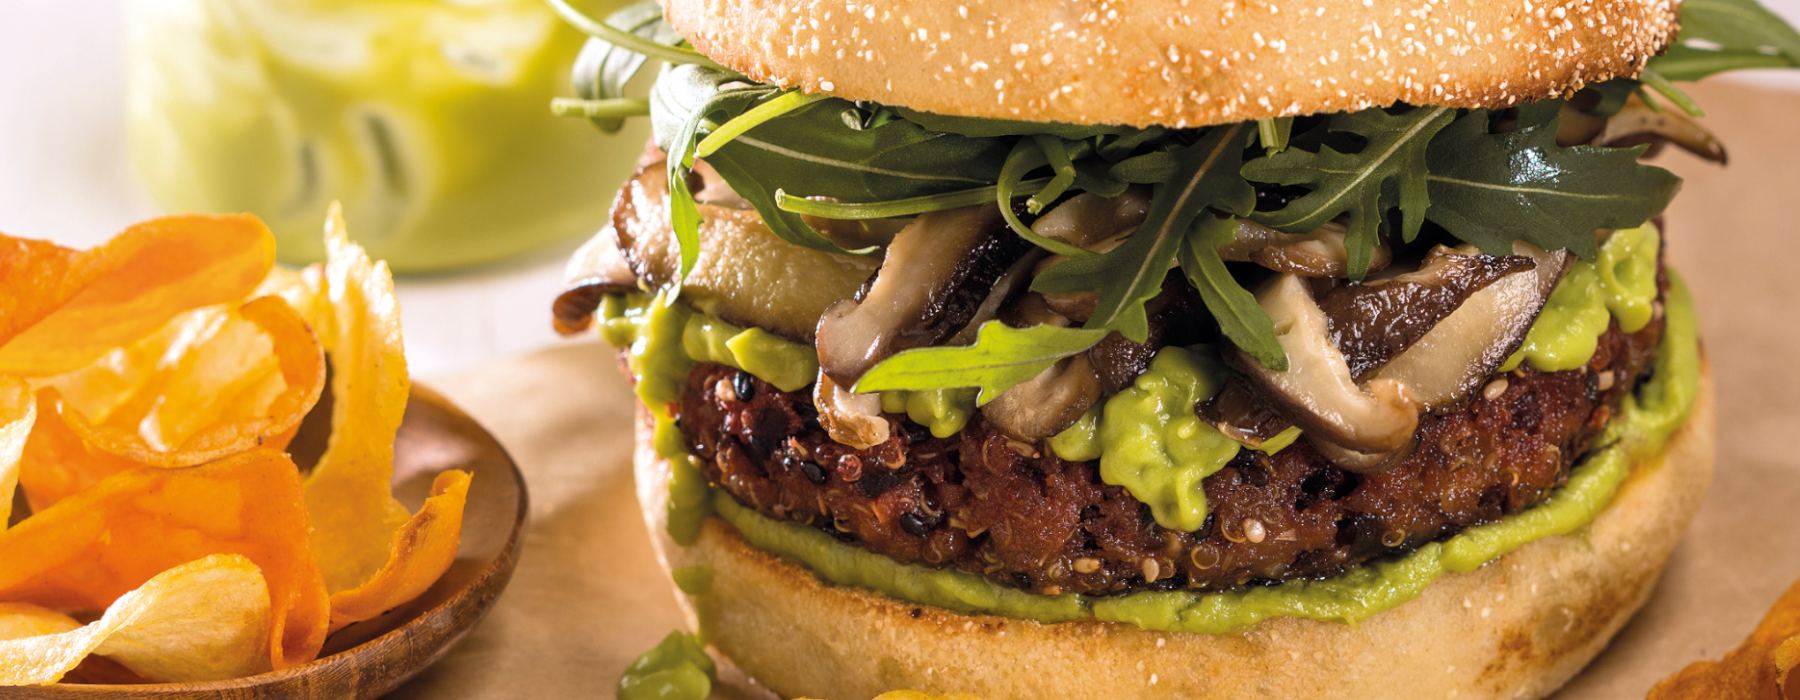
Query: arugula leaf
point(1613, 94)
point(1388, 172)
point(977, 127)
point(627, 40)
point(1057, 156)
point(679, 105)
point(1273, 133)
point(1241, 319)
point(1027, 156)
point(1001, 358)
point(602, 68)
point(1688, 64)
point(1490, 189)
point(900, 207)
point(813, 151)
point(1126, 277)
point(1722, 35)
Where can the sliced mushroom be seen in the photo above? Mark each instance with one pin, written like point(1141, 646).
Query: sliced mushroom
point(1239, 413)
point(937, 274)
point(598, 269)
point(1320, 253)
point(1636, 123)
point(1372, 322)
point(1094, 223)
point(1087, 219)
point(1048, 403)
point(1317, 392)
point(745, 274)
point(850, 419)
point(1014, 279)
point(1452, 359)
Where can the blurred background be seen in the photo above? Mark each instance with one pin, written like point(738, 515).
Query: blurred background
point(429, 120)
point(449, 161)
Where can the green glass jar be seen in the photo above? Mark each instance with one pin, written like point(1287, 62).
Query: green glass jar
point(428, 119)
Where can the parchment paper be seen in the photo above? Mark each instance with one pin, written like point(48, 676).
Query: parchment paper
point(588, 595)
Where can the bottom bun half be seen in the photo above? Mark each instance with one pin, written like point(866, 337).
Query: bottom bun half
point(1519, 627)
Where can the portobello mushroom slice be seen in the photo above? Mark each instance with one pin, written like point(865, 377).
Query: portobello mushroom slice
point(1372, 322)
point(1320, 253)
point(1048, 403)
point(850, 419)
point(746, 274)
point(1449, 361)
point(938, 272)
point(596, 270)
point(1317, 391)
point(1636, 124)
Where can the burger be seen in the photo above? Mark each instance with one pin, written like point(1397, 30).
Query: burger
point(1166, 348)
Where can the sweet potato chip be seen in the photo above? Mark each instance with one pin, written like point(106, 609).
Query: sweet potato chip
point(64, 308)
point(348, 497)
point(92, 547)
point(17, 414)
point(201, 621)
point(56, 463)
point(1757, 669)
point(422, 550)
point(209, 384)
point(249, 384)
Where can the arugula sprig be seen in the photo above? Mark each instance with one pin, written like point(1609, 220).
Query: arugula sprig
point(1206, 176)
point(1384, 171)
point(1363, 185)
point(1491, 189)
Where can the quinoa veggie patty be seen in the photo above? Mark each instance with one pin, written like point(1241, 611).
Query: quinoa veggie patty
point(981, 502)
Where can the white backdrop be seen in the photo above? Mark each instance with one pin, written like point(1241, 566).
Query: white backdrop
point(63, 176)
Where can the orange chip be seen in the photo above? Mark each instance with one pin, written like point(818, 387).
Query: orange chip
point(215, 384)
point(349, 495)
point(422, 551)
point(61, 308)
point(17, 415)
point(92, 547)
point(225, 396)
point(57, 464)
point(1757, 669)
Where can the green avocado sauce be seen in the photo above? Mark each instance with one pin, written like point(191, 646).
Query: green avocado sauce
point(676, 669)
point(1158, 449)
point(1161, 452)
point(1620, 284)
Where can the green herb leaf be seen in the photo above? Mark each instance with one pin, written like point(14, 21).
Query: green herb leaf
point(899, 207)
point(1273, 133)
point(1662, 86)
point(628, 40)
point(769, 109)
point(1490, 189)
point(602, 68)
point(1688, 64)
point(679, 106)
point(1613, 95)
point(1027, 156)
point(1241, 319)
point(976, 127)
point(1389, 171)
point(1129, 275)
point(1722, 35)
point(813, 151)
point(1057, 155)
point(1001, 358)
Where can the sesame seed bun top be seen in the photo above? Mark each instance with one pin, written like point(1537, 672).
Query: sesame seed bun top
point(1181, 63)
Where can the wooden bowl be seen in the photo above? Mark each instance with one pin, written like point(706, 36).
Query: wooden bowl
point(373, 657)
